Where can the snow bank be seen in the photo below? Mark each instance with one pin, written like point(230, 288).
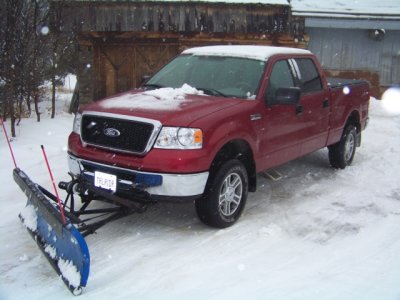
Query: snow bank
point(70, 82)
point(316, 234)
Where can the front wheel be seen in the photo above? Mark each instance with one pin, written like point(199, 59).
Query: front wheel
point(224, 200)
point(342, 153)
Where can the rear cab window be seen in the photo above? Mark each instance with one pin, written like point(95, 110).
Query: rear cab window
point(307, 74)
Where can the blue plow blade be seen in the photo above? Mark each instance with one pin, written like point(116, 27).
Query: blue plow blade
point(62, 244)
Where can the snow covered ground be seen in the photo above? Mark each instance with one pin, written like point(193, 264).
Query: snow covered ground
point(318, 233)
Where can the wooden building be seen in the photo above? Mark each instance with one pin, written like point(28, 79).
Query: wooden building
point(121, 41)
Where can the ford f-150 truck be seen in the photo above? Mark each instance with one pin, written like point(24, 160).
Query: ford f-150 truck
point(208, 122)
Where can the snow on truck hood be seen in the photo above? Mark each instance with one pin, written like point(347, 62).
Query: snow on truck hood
point(168, 99)
point(167, 105)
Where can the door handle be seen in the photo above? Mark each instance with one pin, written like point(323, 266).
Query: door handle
point(325, 103)
point(299, 109)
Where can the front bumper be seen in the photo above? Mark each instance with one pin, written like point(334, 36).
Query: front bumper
point(157, 186)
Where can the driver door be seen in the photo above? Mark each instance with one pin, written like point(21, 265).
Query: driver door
point(282, 131)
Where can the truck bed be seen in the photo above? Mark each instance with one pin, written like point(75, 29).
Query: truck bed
point(334, 82)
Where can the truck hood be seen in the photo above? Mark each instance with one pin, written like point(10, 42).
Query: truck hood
point(170, 106)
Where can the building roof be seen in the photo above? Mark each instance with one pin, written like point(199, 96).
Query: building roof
point(337, 8)
point(386, 9)
point(245, 51)
point(368, 14)
point(363, 14)
point(266, 2)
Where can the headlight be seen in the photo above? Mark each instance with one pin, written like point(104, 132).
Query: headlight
point(77, 123)
point(179, 138)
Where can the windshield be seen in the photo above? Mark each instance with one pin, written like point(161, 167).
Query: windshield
point(214, 75)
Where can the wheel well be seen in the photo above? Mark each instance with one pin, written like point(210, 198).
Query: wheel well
point(237, 149)
point(354, 119)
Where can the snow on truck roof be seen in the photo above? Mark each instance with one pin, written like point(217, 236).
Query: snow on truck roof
point(245, 51)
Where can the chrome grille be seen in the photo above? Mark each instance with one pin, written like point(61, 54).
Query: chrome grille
point(118, 133)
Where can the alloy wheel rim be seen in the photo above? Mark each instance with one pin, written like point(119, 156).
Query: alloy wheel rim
point(230, 195)
point(349, 147)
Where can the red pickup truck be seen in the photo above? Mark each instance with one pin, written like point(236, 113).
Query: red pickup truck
point(211, 119)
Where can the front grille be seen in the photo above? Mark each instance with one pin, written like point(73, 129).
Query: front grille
point(125, 135)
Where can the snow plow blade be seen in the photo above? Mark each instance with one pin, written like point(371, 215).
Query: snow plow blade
point(61, 243)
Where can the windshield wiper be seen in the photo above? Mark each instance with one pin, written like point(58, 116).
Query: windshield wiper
point(210, 91)
point(152, 86)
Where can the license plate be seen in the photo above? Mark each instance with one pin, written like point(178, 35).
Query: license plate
point(105, 181)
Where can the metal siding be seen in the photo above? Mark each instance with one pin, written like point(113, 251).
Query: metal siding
point(350, 23)
point(353, 49)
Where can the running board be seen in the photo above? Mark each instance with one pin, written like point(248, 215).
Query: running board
point(272, 174)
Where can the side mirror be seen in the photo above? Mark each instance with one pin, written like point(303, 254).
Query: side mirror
point(287, 96)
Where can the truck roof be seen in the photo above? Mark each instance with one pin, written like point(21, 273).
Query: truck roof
point(245, 51)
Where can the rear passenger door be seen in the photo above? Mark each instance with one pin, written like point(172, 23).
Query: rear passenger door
point(314, 102)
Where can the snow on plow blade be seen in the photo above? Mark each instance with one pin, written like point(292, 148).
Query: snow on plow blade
point(62, 244)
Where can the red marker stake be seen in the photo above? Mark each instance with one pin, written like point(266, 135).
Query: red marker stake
point(8, 142)
point(54, 186)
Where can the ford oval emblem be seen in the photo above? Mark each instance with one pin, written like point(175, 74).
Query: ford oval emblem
point(112, 132)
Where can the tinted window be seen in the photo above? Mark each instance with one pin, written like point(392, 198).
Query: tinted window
point(281, 77)
point(309, 76)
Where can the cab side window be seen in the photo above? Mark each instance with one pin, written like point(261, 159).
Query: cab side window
point(281, 77)
point(308, 76)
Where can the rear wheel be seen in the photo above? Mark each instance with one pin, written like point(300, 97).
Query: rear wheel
point(342, 153)
point(225, 197)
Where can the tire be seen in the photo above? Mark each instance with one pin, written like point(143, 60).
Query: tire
point(225, 196)
point(342, 153)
